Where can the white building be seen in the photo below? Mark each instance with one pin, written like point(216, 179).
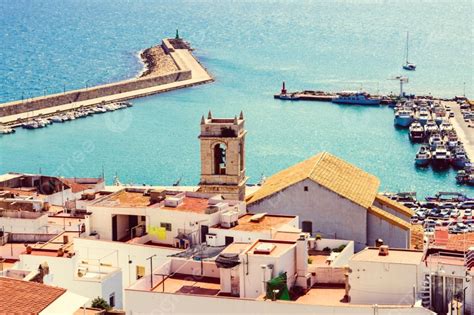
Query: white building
point(250, 278)
point(335, 199)
point(178, 219)
point(89, 278)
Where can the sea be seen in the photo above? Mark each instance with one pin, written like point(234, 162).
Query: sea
point(250, 47)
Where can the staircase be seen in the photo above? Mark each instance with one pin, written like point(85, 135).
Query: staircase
point(424, 292)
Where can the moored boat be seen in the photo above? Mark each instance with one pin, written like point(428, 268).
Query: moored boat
point(416, 132)
point(403, 117)
point(356, 98)
point(440, 158)
point(423, 157)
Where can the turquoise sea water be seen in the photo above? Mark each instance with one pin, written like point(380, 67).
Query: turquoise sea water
point(250, 48)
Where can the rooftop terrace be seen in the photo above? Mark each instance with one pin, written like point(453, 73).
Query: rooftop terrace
point(268, 223)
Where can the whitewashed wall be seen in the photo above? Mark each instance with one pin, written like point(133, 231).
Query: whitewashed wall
point(331, 214)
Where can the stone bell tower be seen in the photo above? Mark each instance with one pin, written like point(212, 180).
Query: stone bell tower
point(223, 156)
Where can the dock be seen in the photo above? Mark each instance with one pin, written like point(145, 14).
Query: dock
point(190, 73)
point(464, 132)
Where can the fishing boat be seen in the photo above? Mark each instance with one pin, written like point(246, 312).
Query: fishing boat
point(440, 158)
point(459, 159)
point(5, 130)
point(423, 157)
point(446, 127)
point(464, 177)
point(408, 65)
point(355, 98)
point(431, 127)
point(444, 196)
point(403, 117)
point(435, 140)
point(424, 116)
point(416, 132)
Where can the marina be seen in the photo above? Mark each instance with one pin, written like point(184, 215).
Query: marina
point(430, 122)
point(247, 74)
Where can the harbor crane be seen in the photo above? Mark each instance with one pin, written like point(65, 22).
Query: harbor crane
point(402, 80)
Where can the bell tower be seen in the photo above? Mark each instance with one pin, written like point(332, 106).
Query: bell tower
point(223, 156)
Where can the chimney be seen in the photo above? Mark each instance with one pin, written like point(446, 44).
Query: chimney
point(378, 242)
point(383, 250)
point(65, 239)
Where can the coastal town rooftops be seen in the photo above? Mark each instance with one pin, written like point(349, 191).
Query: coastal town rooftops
point(395, 256)
point(188, 201)
point(24, 297)
point(272, 248)
point(328, 171)
point(81, 184)
point(265, 223)
point(9, 176)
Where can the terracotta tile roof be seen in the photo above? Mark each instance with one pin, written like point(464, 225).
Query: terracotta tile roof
point(384, 215)
point(394, 205)
point(328, 171)
point(24, 297)
point(460, 242)
point(75, 187)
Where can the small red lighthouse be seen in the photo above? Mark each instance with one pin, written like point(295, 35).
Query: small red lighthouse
point(283, 88)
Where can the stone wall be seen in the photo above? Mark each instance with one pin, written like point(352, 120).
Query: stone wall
point(38, 103)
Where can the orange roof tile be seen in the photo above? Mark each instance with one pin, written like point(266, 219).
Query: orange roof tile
point(24, 297)
point(328, 171)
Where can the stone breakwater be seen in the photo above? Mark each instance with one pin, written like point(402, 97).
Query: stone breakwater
point(157, 62)
point(169, 65)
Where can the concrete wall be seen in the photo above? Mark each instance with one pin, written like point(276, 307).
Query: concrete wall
point(193, 268)
point(392, 235)
point(252, 276)
point(142, 302)
point(377, 283)
point(62, 273)
point(332, 216)
point(123, 255)
point(18, 225)
point(39, 103)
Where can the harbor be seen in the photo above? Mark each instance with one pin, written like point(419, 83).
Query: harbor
point(166, 69)
point(441, 126)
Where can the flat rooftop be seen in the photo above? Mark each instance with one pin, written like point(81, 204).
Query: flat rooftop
point(395, 256)
point(277, 247)
point(125, 199)
point(324, 295)
point(268, 223)
point(189, 284)
point(136, 199)
point(191, 204)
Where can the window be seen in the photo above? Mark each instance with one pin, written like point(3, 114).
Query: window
point(305, 188)
point(112, 299)
point(220, 159)
point(167, 226)
point(140, 272)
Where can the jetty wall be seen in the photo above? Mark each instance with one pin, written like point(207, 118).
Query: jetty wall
point(38, 103)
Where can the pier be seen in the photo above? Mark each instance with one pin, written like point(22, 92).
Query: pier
point(465, 134)
point(189, 73)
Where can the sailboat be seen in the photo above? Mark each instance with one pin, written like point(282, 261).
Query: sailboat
point(408, 65)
